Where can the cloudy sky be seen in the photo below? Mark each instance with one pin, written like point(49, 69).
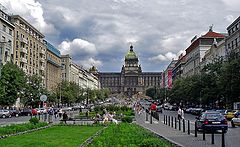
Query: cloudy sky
point(98, 32)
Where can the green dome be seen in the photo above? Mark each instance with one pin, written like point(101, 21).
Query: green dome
point(131, 54)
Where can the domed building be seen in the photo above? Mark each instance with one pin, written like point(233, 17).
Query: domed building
point(131, 80)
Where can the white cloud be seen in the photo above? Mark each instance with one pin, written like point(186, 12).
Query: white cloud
point(166, 57)
point(78, 47)
point(229, 18)
point(90, 62)
point(32, 11)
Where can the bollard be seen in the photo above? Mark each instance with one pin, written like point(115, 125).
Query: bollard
point(38, 116)
point(151, 117)
point(179, 125)
point(146, 116)
point(183, 125)
point(168, 120)
point(164, 119)
point(212, 136)
point(158, 116)
point(188, 127)
point(172, 122)
point(175, 123)
point(195, 129)
point(223, 139)
point(203, 132)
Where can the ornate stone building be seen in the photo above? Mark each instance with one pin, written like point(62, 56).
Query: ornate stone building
point(131, 80)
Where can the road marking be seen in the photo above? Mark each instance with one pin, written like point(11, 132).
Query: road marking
point(155, 122)
point(146, 122)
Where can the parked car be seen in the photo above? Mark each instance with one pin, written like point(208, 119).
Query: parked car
point(14, 112)
point(4, 113)
point(26, 112)
point(229, 114)
point(159, 108)
point(212, 121)
point(236, 120)
point(197, 111)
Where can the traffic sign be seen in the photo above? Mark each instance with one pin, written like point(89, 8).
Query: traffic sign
point(43, 98)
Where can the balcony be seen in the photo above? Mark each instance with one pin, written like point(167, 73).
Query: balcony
point(42, 60)
point(42, 52)
point(42, 68)
point(24, 50)
point(24, 40)
point(23, 60)
point(24, 69)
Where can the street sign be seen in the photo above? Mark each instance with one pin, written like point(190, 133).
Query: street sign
point(43, 98)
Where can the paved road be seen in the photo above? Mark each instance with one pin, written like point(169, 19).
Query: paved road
point(232, 136)
point(24, 119)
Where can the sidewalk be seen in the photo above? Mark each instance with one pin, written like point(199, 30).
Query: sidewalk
point(175, 136)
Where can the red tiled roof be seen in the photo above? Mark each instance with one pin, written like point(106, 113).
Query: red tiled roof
point(212, 35)
point(192, 46)
point(209, 34)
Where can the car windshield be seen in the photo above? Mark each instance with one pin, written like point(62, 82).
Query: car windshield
point(213, 116)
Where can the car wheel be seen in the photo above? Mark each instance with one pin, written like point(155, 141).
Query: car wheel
point(233, 125)
point(28, 114)
point(4, 116)
point(10, 116)
point(16, 115)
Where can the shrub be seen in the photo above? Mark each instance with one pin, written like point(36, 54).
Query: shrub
point(127, 119)
point(34, 120)
point(151, 142)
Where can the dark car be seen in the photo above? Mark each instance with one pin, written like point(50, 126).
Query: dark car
point(212, 121)
point(14, 112)
point(26, 112)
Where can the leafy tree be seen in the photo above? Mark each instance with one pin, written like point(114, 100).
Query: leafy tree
point(12, 82)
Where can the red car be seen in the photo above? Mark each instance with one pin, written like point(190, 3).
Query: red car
point(34, 112)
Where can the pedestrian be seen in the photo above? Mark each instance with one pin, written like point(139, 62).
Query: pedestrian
point(179, 112)
point(65, 117)
point(60, 113)
point(182, 114)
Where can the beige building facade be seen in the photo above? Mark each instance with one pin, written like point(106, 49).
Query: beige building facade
point(29, 51)
point(72, 72)
point(53, 66)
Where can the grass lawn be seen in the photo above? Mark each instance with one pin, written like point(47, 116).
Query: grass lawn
point(57, 136)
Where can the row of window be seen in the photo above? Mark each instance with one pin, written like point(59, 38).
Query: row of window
point(233, 29)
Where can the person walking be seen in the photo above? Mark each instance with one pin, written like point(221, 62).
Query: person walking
point(179, 112)
point(182, 114)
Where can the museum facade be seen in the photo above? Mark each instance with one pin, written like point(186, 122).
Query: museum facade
point(131, 80)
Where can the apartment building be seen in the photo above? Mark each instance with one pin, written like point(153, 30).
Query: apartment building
point(72, 72)
point(177, 70)
point(233, 39)
point(53, 67)
point(196, 51)
point(6, 38)
point(216, 51)
point(29, 51)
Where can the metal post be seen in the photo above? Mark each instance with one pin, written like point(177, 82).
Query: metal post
point(179, 125)
point(183, 125)
point(146, 115)
point(223, 139)
point(159, 117)
point(203, 132)
point(172, 121)
point(163, 119)
point(175, 123)
point(168, 120)
point(151, 117)
point(195, 129)
point(212, 136)
point(188, 127)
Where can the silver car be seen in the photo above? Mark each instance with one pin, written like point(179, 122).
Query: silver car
point(4, 113)
point(236, 120)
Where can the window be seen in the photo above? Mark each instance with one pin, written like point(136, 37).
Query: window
point(10, 32)
point(4, 28)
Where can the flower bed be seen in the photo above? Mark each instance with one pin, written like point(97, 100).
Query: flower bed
point(126, 134)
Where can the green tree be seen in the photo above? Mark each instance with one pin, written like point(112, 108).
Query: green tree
point(12, 82)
